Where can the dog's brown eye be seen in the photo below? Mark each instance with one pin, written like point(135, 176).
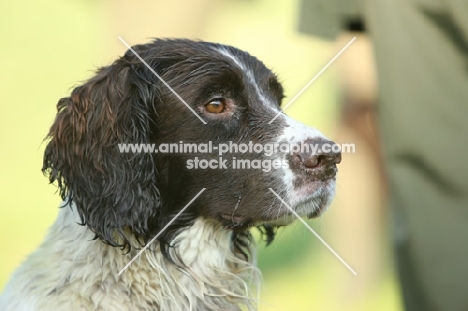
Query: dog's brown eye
point(215, 106)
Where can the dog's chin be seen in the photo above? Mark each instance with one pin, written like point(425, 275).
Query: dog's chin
point(313, 199)
point(310, 201)
point(312, 207)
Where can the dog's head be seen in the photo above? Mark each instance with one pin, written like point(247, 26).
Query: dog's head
point(118, 192)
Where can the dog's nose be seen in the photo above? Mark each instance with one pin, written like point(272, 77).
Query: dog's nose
point(321, 153)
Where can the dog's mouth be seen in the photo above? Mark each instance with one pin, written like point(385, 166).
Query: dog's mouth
point(234, 219)
point(236, 222)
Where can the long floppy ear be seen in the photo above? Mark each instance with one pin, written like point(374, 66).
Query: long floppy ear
point(113, 191)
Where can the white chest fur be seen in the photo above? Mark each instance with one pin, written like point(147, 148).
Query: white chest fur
point(71, 271)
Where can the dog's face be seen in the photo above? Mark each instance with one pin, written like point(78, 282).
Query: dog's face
point(235, 94)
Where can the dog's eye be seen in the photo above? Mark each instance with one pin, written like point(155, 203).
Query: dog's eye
point(216, 106)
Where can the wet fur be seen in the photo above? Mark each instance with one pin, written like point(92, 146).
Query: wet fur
point(115, 203)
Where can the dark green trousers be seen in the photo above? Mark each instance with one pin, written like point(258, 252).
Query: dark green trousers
point(421, 49)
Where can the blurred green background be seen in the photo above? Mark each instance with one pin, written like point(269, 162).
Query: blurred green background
point(50, 47)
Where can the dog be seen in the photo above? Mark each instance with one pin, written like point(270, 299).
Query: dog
point(115, 203)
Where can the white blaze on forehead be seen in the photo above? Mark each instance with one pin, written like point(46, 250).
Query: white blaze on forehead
point(250, 76)
point(225, 52)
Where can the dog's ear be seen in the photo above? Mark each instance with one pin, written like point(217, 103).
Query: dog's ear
point(113, 191)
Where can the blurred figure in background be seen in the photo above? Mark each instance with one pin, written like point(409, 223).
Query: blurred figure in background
point(421, 54)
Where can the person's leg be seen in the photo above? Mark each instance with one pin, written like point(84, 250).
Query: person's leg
point(421, 51)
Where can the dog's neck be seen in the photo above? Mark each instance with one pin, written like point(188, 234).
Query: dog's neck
point(216, 276)
point(213, 275)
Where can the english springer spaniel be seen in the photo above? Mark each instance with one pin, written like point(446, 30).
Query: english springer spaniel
point(115, 202)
